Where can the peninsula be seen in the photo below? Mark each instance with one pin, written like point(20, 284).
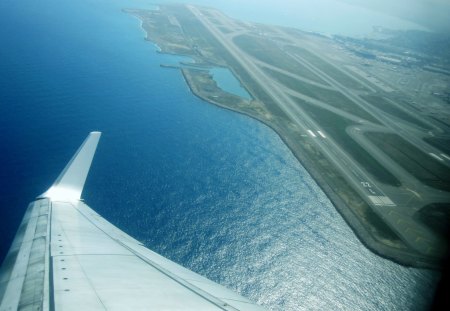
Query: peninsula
point(345, 112)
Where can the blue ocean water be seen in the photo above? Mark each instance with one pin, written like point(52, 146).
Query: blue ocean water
point(213, 190)
point(228, 82)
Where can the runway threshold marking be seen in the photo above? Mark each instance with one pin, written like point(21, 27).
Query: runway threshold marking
point(379, 200)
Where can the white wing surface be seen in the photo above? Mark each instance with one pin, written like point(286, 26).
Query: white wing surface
point(69, 185)
point(67, 257)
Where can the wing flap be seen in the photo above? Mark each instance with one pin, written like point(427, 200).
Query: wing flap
point(66, 256)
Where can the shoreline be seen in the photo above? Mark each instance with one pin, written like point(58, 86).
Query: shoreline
point(366, 238)
point(351, 207)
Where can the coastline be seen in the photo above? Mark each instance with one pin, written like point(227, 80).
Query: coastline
point(373, 233)
point(363, 235)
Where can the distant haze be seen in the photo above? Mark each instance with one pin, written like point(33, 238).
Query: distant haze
point(433, 14)
point(345, 17)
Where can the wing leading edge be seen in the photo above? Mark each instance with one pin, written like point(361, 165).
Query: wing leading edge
point(67, 257)
point(69, 184)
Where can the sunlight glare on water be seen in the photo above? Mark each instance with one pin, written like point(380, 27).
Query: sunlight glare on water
point(212, 190)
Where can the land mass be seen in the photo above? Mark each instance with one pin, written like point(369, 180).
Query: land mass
point(345, 111)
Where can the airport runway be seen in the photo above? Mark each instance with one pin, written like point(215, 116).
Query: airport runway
point(376, 194)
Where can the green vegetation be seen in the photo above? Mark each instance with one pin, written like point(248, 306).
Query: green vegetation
point(419, 164)
point(442, 144)
point(327, 96)
point(379, 226)
point(212, 51)
point(177, 30)
point(202, 82)
point(268, 52)
point(160, 30)
point(373, 223)
point(328, 69)
point(436, 216)
point(335, 126)
point(225, 30)
point(392, 109)
point(199, 38)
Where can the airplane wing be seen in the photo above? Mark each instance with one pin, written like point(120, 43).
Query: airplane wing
point(67, 257)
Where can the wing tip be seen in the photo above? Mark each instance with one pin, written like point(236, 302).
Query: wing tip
point(70, 183)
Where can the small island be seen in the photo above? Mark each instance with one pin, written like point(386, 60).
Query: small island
point(348, 109)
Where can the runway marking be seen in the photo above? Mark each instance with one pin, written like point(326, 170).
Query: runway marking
point(445, 156)
point(311, 133)
point(381, 200)
point(436, 156)
point(321, 134)
point(375, 200)
point(387, 201)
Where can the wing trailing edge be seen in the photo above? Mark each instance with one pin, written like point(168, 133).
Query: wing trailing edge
point(65, 256)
